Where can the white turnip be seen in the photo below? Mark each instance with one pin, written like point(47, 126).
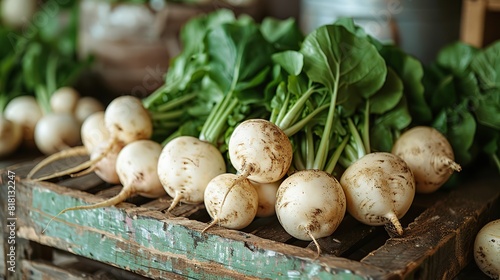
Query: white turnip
point(310, 204)
point(136, 166)
point(55, 132)
point(267, 197)
point(25, 111)
point(487, 249)
point(429, 155)
point(379, 188)
point(11, 136)
point(186, 166)
point(260, 151)
point(87, 106)
point(126, 121)
point(93, 133)
point(230, 201)
point(64, 100)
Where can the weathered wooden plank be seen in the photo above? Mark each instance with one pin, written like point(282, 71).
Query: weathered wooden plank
point(148, 246)
point(443, 234)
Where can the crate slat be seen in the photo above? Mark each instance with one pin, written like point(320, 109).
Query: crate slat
point(148, 246)
point(137, 236)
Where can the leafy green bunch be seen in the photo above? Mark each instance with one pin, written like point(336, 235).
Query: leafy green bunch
point(463, 94)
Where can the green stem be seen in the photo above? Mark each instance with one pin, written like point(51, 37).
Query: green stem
point(309, 147)
point(291, 130)
point(359, 146)
point(366, 127)
point(174, 103)
point(321, 154)
point(43, 99)
point(51, 75)
point(336, 155)
point(153, 97)
point(294, 112)
point(167, 115)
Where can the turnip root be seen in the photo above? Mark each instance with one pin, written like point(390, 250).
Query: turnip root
point(487, 249)
point(11, 136)
point(379, 188)
point(429, 155)
point(64, 100)
point(136, 166)
point(260, 151)
point(310, 204)
point(230, 201)
point(127, 121)
point(93, 133)
point(25, 111)
point(87, 106)
point(186, 166)
point(55, 132)
point(106, 167)
point(267, 197)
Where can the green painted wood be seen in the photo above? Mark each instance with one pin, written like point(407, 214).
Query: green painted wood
point(150, 244)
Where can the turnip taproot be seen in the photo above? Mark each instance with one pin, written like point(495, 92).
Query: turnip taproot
point(230, 201)
point(487, 249)
point(11, 136)
point(25, 111)
point(429, 155)
point(310, 204)
point(260, 151)
point(186, 166)
point(136, 166)
point(379, 188)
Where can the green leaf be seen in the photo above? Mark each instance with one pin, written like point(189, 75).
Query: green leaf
point(291, 61)
point(486, 66)
point(487, 109)
point(332, 53)
point(237, 53)
point(283, 34)
point(411, 72)
point(389, 95)
point(456, 57)
point(386, 127)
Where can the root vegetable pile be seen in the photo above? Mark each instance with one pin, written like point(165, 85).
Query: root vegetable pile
point(255, 120)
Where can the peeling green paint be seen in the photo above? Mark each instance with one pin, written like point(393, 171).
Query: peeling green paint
point(144, 244)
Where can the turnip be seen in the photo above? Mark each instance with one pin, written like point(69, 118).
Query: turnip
point(87, 106)
point(379, 188)
point(127, 121)
point(267, 197)
point(136, 166)
point(186, 166)
point(17, 13)
point(429, 155)
point(93, 133)
point(106, 167)
point(310, 204)
point(55, 132)
point(25, 111)
point(487, 249)
point(260, 151)
point(64, 100)
point(230, 201)
point(11, 136)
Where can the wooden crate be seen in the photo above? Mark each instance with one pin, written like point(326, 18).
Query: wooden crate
point(138, 238)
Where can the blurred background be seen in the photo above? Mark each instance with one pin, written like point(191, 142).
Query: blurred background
point(132, 41)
